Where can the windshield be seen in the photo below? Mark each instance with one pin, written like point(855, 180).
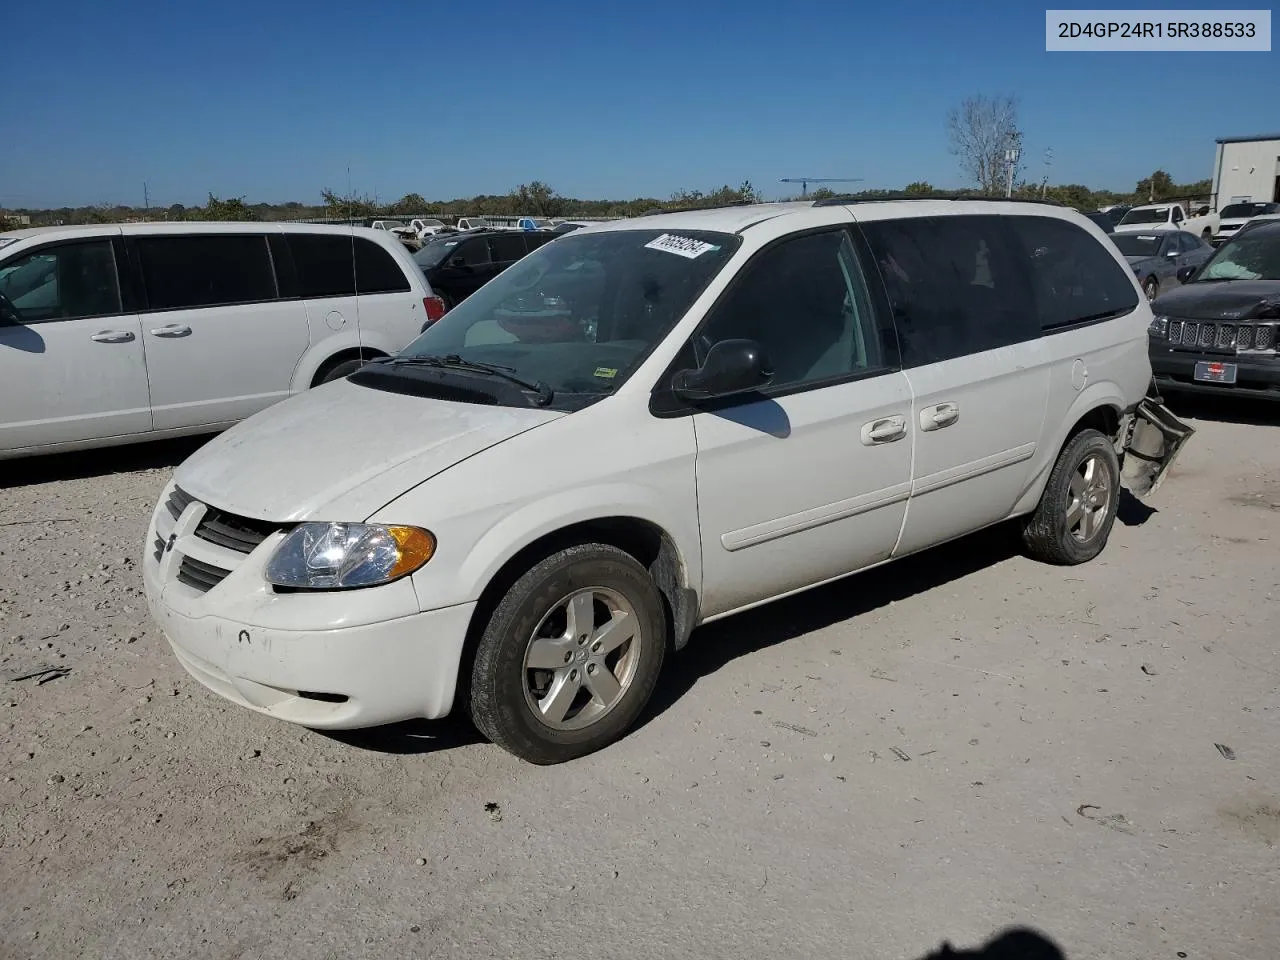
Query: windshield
point(1151, 215)
point(432, 223)
point(1253, 256)
point(580, 314)
point(1137, 244)
point(434, 253)
point(1241, 211)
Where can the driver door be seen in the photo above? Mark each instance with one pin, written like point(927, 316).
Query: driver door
point(808, 478)
point(71, 353)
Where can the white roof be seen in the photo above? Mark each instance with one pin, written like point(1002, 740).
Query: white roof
point(187, 227)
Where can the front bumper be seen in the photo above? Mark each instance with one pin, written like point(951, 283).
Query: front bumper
point(331, 661)
point(1255, 377)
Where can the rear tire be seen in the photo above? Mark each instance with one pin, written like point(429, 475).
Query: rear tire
point(1073, 520)
point(570, 655)
point(339, 370)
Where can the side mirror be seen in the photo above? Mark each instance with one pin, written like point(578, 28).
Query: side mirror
point(1172, 254)
point(1185, 273)
point(732, 366)
point(458, 261)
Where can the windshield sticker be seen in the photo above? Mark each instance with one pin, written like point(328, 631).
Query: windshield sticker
point(606, 373)
point(681, 246)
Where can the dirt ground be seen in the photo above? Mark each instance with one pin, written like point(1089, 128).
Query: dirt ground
point(935, 751)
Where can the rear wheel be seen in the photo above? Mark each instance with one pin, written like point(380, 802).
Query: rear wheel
point(570, 655)
point(1073, 520)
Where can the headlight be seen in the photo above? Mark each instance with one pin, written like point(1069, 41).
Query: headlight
point(1159, 326)
point(342, 556)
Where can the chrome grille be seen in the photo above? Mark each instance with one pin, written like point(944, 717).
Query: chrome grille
point(1264, 338)
point(1190, 331)
point(178, 501)
point(1206, 335)
point(200, 575)
point(1175, 331)
point(241, 534)
point(1226, 335)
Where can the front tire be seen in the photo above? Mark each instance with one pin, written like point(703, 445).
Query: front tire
point(1073, 520)
point(1151, 287)
point(570, 655)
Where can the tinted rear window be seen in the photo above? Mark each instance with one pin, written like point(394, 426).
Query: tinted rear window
point(1237, 210)
point(376, 270)
point(205, 271)
point(1075, 278)
point(955, 285)
point(324, 264)
point(507, 247)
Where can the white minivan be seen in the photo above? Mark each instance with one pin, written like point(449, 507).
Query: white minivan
point(116, 333)
point(646, 426)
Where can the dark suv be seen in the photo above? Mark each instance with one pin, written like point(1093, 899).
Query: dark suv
point(1218, 332)
point(459, 264)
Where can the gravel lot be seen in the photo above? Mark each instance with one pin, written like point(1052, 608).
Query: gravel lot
point(935, 751)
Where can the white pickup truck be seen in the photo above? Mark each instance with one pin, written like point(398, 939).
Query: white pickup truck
point(1170, 216)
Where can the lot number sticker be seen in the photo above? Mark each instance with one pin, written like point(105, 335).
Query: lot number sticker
point(681, 246)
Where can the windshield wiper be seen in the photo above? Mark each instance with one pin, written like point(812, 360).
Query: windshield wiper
point(543, 392)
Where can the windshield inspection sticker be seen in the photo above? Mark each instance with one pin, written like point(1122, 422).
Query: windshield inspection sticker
point(681, 246)
point(606, 373)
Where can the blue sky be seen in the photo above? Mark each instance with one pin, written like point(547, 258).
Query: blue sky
point(274, 99)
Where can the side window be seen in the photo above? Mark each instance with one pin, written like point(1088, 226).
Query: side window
point(806, 302)
point(205, 271)
point(538, 239)
point(955, 286)
point(507, 247)
point(64, 282)
point(474, 253)
point(376, 270)
point(1074, 277)
point(324, 265)
point(1177, 215)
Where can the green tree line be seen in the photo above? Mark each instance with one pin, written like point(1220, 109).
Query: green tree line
point(539, 199)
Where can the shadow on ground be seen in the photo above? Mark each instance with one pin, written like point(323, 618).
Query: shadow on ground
point(412, 736)
point(53, 468)
point(1018, 943)
point(718, 643)
point(1247, 410)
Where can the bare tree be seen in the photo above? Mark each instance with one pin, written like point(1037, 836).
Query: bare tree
point(981, 130)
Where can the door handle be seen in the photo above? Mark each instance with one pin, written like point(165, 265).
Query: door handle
point(172, 330)
point(939, 416)
point(885, 430)
point(112, 336)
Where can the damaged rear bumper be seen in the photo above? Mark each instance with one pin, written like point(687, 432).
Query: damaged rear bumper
point(1150, 439)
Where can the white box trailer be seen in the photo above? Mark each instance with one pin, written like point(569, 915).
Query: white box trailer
point(1247, 168)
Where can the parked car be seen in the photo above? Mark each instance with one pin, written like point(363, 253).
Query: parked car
point(1104, 222)
point(1218, 332)
point(645, 427)
point(388, 225)
point(423, 228)
point(567, 227)
point(111, 334)
point(474, 223)
point(1236, 215)
point(1115, 212)
point(457, 266)
point(533, 223)
point(1157, 257)
point(1169, 216)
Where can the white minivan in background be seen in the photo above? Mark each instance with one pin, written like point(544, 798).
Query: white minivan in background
point(646, 426)
point(115, 333)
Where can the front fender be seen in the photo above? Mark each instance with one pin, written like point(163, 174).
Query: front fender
point(512, 532)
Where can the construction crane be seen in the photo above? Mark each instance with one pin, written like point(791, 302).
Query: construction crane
point(805, 181)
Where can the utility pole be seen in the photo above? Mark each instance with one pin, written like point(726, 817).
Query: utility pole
point(1011, 159)
point(1048, 162)
point(146, 197)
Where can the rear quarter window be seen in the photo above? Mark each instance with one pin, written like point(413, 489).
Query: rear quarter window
point(1074, 278)
point(377, 270)
point(324, 263)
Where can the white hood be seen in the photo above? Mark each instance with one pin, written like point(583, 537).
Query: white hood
point(342, 451)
